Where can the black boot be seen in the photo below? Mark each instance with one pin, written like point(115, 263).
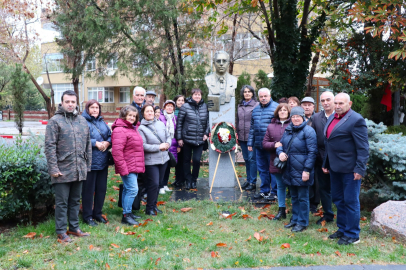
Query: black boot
point(188, 184)
point(281, 213)
point(246, 184)
point(194, 183)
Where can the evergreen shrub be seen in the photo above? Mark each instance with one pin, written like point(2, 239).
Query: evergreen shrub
point(386, 168)
point(24, 179)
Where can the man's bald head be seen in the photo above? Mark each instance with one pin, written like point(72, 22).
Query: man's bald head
point(342, 103)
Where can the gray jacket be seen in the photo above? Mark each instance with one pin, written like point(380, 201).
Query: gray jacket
point(152, 154)
point(243, 120)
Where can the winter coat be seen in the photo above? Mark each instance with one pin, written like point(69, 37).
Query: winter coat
point(302, 154)
point(176, 111)
point(174, 146)
point(139, 109)
point(261, 118)
point(319, 121)
point(193, 122)
point(67, 146)
point(154, 156)
point(243, 120)
point(273, 134)
point(99, 158)
point(127, 149)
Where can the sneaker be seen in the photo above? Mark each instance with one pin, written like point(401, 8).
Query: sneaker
point(262, 195)
point(336, 235)
point(161, 191)
point(145, 196)
point(348, 241)
point(167, 189)
point(324, 218)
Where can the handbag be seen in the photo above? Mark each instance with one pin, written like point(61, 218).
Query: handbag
point(110, 159)
point(137, 199)
point(172, 159)
point(282, 164)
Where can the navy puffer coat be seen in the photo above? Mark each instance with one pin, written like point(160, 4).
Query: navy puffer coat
point(99, 158)
point(302, 154)
point(261, 117)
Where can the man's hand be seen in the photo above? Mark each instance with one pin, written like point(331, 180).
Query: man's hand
point(57, 174)
point(278, 144)
point(326, 171)
point(283, 157)
point(305, 176)
point(250, 148)
point(357, 176)
point(180, 142)
point(205, 137)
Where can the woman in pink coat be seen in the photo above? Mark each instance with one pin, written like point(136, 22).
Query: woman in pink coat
point(128, 154)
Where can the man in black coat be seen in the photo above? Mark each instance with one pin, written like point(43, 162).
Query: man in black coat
point(322, 180)
point(347, 153)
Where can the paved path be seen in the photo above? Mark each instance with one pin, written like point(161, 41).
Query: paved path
point(336, 267)
point(9, 128)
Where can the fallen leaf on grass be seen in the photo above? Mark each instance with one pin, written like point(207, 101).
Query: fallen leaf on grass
point(325, 238)
point(266, 206)
point(187, 209)
point(263, 214)
point(104, 216)
point(157, 261)
point(319, 213)
point(322, 230)
point(305, 244)
point(249, 238)
point(116, 188)
point(363, 218)
point(148, 219)
point(186, 260)
point(338, 253)
point(40, 236)
point(119, 181)
point(262, 231)
point(128, 250)
point(241, 207)
point(221, 245)
point(246, 216)
point(231, 216)
point(286, 245)
point(107, 266)
point(318, 253)
point(30, 235)
point(25, 251)
point(91, 247)
point(160, 203)
point(258, 237)
point(116, 174)
point(113, 200)
point(117, 228)
point(209, 224)
point(350, 254)
point(323, 223)
point(193, 189)
point(143, 203)
point(115, 246)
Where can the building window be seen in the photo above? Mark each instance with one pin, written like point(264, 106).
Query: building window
point(53, 61)
point(125, 95)
point(112, 63)
point(101, 94)
point(246, 47)
point(59, 89)
point(91, 64)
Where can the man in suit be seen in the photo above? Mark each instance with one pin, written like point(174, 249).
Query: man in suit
point(347, 152)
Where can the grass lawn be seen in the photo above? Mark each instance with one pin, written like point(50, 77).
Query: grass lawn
point(183, 240)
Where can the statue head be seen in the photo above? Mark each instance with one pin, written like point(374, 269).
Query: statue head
point(221, 61)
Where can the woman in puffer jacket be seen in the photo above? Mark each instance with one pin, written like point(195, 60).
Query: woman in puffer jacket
point(169, 118)
point(95, 186)
point(271, 141)
point(299, 170)
point(128, 154)
point(156, 142)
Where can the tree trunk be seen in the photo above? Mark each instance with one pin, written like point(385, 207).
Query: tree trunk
point(231, 53)
point(75, 82)
point(311, 74)
point(396, 107)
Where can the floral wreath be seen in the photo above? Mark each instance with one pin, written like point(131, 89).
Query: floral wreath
point(223, 137)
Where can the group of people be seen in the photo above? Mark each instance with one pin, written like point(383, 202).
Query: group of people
point(319, 157)
point(288, 144)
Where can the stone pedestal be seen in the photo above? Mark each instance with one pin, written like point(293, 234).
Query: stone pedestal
point(225, 176)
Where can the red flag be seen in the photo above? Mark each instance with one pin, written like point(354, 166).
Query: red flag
point(387, 98)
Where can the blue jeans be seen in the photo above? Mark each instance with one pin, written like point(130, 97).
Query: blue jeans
point(325, 191)
point(250, 162)
point(345, 194)
point(281, 188)
point(130, 191)
point(300, 205)
point(263, 161)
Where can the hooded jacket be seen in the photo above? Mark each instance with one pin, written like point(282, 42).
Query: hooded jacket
point(274, 134)
point(67, 146)
point(193, 122)
point(127, 150)
point(99, 158)
point(243, 121)
point(301, 156)
point(154, 156)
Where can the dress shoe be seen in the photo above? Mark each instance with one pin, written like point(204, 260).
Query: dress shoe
point(90, 222)
point(298, 228)
point(348, 241)
point(336, 235)
point(194, 185)
point(313, 209)
point(250, 187)
point(188, 185)
point(324, 218)
point(281, 213)
point(78, 233)
point(101, 220)
point(290, 225)
point(272, 198)
point(150, 213)
point(177, 184)
point(246, 184)
point(128, 220)
point(133, 216)
point(261, 196)
point(158, 211)
point(64, 238)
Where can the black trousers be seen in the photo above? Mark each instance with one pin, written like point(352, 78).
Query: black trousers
point(67, 204)
point(179, 169)
point(187, 156)
point(314, 193)
point(165, 179)
point(96, 183)
point(154, 174)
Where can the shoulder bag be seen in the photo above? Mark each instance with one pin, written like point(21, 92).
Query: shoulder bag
point(282, 164)
point(172, 159)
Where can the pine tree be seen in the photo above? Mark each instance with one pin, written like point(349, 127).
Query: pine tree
point(18, 86)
